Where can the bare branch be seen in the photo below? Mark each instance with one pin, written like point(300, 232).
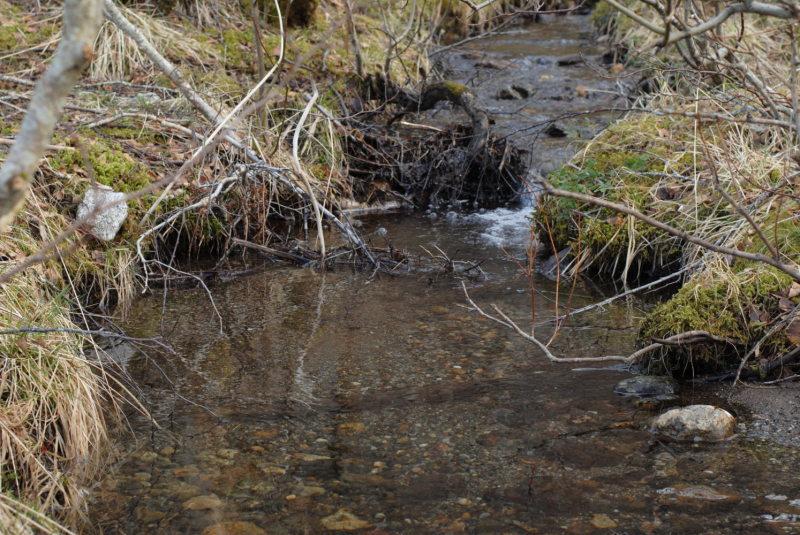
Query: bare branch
point(302, 172)
point(757, 257)
point(82, 21)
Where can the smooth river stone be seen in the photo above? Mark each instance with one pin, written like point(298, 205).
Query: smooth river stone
point(234, 528)
point(343, 520)
point(694, 422)
point(201, 503)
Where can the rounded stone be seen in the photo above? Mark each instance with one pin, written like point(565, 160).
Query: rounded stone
point(234, 528)
point(695, 421)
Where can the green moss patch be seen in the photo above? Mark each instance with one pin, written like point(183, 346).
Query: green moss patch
point(741, 308)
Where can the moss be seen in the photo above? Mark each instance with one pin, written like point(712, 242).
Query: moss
point(236, 49)
point(112, 167)
point(722, 308)
point(8, 37)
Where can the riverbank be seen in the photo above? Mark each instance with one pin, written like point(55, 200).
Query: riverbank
point(679, 157)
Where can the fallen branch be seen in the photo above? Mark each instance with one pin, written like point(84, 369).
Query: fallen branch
point(690, 337)
point(270, 251)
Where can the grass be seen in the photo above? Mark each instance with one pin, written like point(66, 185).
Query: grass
point(51, 396)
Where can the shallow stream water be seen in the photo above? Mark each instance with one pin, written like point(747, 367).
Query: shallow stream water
point(383, 406)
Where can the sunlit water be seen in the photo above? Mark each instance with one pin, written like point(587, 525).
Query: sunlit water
point(385, 406)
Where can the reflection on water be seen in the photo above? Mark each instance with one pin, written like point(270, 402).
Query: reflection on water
point(389, 408)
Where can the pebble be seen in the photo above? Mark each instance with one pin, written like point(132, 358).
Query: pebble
point(233, 528)
point(202, 503)
point(344, 520)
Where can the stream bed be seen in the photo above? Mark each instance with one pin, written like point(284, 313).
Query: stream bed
point(328, 401)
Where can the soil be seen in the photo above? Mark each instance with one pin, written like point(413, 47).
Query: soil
point(774, 411)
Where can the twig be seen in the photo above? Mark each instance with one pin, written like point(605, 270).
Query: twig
point(303, 173)
point(685, 338)
point(98, 332)
point(271, 251)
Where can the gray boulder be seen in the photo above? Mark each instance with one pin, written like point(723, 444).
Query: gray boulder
point(106, 223)
point(695, 421)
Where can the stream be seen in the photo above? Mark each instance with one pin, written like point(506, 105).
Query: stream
point(342, 403)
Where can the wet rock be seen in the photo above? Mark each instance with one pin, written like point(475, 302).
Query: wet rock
point(490, 64)
point(573, 59)
point(310, 491)
point(554, 130)
point(364, 479)
point(146, 515)
point(189, 471)
point(106, 223)
point(227, 453)
point(351, 428)
point(701, 421)
point(234, 528)
point(550, 267)
point(698, 492)
point(602, 522)
point(343, 520)
point(516, 92)
point(579, 529)
point(183, 491)
point(436, 487)
point(202, 503)
point(310, 457)
point(653, 387)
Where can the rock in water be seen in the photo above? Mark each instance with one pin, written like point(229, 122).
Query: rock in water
point(106, 223)
point(643, 386)
point(234, 528)
point(343, 520)
point(695, 421)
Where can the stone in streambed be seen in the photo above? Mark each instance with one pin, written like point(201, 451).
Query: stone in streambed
point(202, 503)
point(644, 386)
point(343, 520)
point(234, 528)
point(516, 92)
point(106, 223)
point(694, 422)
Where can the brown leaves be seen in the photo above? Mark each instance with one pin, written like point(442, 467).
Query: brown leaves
point(793, 290)
point(756, 315)
point(792, 332)
point(785, 305)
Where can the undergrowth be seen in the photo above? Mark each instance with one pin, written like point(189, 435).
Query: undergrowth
point(669, 166)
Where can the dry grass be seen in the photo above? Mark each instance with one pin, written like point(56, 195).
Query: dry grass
point(52, 423)
point(17, 518)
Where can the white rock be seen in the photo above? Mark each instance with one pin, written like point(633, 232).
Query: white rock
point(106, 223)
point(703, 421)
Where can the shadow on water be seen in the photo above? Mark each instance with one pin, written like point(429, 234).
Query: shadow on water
point(389, 408)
